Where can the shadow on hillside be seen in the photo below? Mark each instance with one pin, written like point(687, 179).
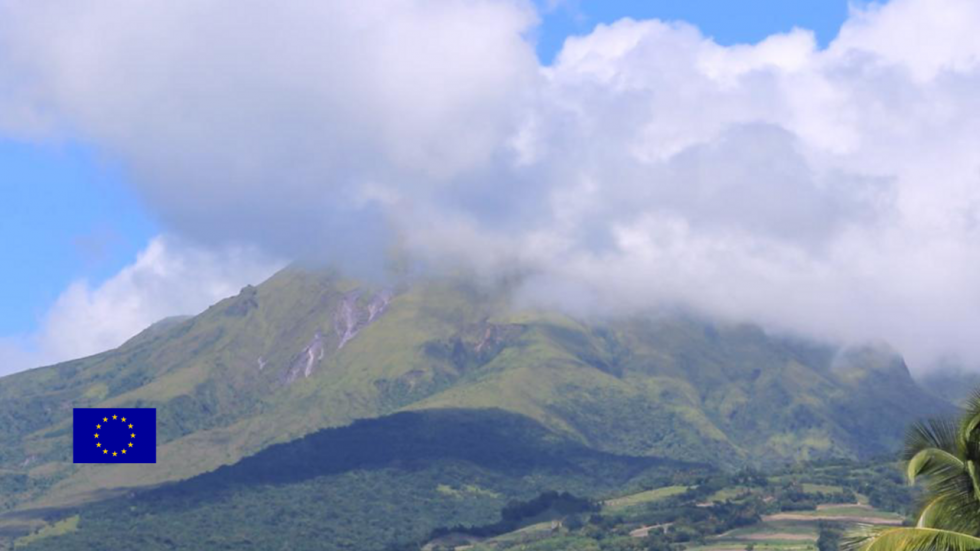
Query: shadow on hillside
point(493, 439)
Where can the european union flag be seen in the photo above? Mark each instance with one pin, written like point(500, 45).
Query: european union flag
point(114, 435)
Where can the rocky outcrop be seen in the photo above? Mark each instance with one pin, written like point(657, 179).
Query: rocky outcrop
point(306, 360)
point(351, 317)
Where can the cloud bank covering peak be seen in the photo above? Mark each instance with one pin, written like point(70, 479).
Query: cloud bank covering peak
point(167, 278)
point(829, 192)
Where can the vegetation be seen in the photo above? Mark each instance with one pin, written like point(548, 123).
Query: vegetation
point(943, 454)
point(368, 486)
point(521, 513)
point(269, 370)
point(831, 535)
point(751, 516)
point(489, 478)
point(645, 497)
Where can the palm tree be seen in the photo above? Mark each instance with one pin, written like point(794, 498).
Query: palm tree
point(945, 456)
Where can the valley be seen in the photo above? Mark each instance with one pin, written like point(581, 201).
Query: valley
point(778, 512)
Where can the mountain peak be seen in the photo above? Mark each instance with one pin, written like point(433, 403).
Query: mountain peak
point(308, 350)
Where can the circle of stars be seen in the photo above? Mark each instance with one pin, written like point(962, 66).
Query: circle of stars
point(106, 451)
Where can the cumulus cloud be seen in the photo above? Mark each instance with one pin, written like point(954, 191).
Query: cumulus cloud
point(243, 120)
point(168, 278)
point(831, 192)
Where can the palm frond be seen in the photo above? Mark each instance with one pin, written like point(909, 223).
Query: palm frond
point(971, 469)
point(956, 513)
point(969, 423)
point(921, 539)
point(931, 515)
point(940, 433)
point(934, 462)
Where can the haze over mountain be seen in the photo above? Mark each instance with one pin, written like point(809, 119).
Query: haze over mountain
point(305, 351)
point(829, 192)
point(404, 284)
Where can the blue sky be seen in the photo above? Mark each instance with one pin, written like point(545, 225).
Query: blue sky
point(67, 214)
point(727, 21)
point(64, 215)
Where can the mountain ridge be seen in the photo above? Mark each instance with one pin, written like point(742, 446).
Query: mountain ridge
point(305, 351)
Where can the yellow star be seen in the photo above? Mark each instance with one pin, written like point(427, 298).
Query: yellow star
point(132, 435)
point(98, 426)
point(105, 451)
point(130, 426)
point(96, 435)
point(113, 454)
point(113, 416)
point(98, 444)
point(123, 419)
point(130, 444)
point(124, 451)
point(104, 419)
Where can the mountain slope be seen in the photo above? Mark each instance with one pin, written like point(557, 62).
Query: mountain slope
point(367, 486)
point(681, 388)
point(306, 351)
point(952, 383)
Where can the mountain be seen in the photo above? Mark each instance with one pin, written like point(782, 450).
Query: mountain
point(951, 383)
point(307, 351)
point(365, 486)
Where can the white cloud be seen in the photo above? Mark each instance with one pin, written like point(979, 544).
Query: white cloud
point(833, 192)
point(168, 278)
point(236, 117)
point(826, 192)
point(920, 37)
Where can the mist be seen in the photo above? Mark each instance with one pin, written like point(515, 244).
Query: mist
point(832, 193)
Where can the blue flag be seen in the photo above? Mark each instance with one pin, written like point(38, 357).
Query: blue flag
point(114, 435)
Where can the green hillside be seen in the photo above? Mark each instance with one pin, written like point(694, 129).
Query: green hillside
point(810, 507)
point(367, 486)
point(307, 351)
point(500, 480)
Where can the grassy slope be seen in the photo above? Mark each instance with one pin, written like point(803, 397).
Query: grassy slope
point(645, 496)
point(675, 388)
point(628, 521)
point(366, 486)
point(214, 403)
point(681, 389)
